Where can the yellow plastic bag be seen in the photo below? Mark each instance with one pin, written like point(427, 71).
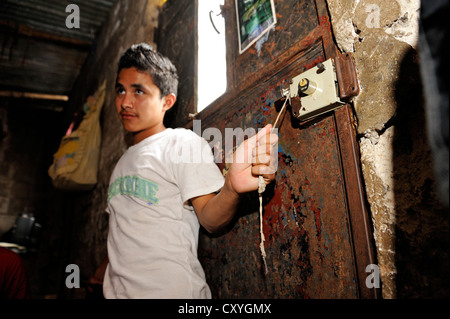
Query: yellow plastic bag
point(75, 164)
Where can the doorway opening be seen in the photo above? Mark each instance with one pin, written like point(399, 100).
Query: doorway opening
point(211, 54)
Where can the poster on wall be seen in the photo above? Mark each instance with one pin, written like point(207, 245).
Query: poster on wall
point(254, 19)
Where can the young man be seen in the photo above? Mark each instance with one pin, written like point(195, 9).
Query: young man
point(160, 192)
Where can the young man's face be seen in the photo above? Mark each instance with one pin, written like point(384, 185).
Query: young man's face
point(139, 104)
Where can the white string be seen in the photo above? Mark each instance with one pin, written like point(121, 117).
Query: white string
point(261, 189)
point(281, 111)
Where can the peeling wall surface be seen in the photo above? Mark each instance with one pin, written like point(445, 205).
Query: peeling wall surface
point(410, 222)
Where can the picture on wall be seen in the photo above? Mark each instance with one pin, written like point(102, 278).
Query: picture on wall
point(254, 19)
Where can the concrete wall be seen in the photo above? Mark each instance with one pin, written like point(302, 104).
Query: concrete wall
point(410, 223)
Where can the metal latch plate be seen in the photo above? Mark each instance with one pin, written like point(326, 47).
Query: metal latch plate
point(325, 95)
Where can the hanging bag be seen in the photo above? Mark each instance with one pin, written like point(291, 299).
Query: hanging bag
point(75, 164)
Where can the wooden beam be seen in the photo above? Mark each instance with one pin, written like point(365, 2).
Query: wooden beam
point(36, 96)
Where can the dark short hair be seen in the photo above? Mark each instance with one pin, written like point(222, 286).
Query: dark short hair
point(162, 71)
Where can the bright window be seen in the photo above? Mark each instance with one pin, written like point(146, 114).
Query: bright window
point(212, 70)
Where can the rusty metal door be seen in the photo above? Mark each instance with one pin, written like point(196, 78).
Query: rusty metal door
point(316, 226)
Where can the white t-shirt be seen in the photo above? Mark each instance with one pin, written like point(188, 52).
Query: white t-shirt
point(153, 230)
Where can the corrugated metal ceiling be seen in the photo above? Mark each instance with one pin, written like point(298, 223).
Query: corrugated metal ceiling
point(49, 16)
point(38, 52)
